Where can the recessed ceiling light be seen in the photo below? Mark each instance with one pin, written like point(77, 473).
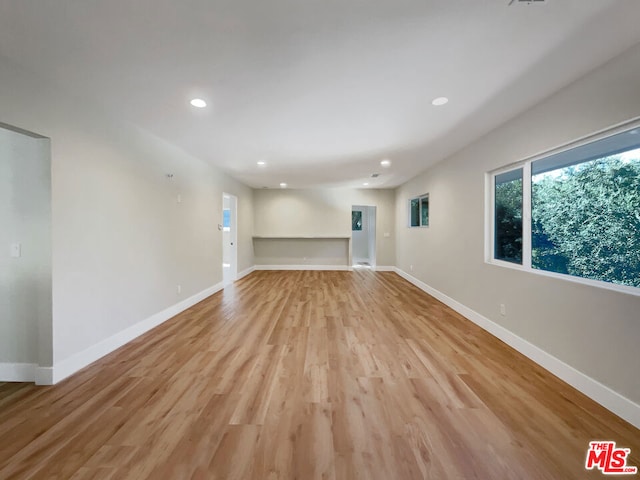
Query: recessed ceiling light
point(261, 163)
point(198, 103)
point(440, 101)
point(385, 163)
point(365, 183)
point(283, 185)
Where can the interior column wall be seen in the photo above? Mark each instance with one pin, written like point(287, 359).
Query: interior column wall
point(25, 249)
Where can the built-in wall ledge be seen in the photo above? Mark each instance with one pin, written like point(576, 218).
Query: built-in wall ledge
point(303, 236)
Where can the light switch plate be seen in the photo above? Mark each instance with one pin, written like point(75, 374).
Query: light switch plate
point(16, 250)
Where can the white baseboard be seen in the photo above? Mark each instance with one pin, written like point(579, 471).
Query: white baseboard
point(17, 372)
point(608, 398)
point(44, 376)
point(302, 267)
point(384, 268)
point(245, 272)
point(80, 360)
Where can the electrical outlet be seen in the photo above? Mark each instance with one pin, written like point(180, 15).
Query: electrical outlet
point(503, 310)
point(411, 267)
point(179, 289)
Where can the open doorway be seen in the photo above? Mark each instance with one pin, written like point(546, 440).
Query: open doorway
point(363, 236)
point(229, 239)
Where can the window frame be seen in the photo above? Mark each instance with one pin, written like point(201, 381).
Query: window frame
point(353, 217)
point(526, 165)
point(493, 213)
point(419, 198)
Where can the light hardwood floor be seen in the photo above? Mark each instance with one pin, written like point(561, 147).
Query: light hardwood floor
point(305, 375)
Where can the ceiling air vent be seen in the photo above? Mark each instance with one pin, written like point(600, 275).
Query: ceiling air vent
point(528, 2)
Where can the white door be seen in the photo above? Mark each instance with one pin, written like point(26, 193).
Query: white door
point(229, 239)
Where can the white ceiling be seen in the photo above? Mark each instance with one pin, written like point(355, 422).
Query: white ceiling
point(321, 90)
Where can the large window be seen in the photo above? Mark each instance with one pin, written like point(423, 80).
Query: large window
point(584, 210)
point(419, 211)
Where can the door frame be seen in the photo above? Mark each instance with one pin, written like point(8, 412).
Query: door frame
point(370, 211)
point(233, 239)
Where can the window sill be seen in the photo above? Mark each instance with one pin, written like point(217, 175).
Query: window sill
point(568, 278)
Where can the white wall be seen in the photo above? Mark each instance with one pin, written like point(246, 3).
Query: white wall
point(591, 329)
point(25, 218)
point(332, 252)
point(121, 241)
point(321, 212)
point(245, 223)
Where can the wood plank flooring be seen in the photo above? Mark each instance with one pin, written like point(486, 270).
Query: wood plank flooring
point(308, 375)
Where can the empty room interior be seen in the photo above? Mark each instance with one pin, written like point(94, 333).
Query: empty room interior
point(319, 240)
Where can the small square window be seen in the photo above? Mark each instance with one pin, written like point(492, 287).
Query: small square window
point(419, 211)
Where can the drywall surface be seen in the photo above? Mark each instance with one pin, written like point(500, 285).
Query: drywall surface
point(591, 329)
point(302, 251)
point(133, 216)
point(25, 249)
point(322, 213)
